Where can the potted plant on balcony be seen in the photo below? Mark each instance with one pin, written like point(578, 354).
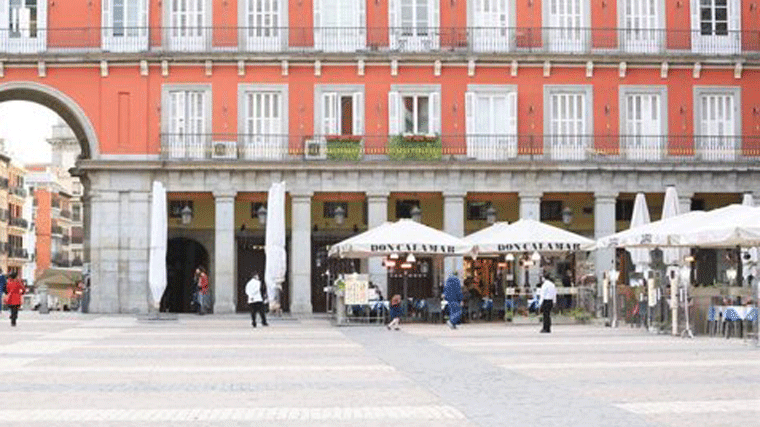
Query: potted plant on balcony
point(415, 147)
point(344, 147)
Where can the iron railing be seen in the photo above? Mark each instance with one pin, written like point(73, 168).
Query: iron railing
point(485, 148)
point(530, 40)
point(18, 222)
point(56, 229)
point(20, 253)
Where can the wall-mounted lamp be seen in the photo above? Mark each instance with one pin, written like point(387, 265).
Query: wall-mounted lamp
point(536, 257)
point(416, 214)
point(261, 214)
point(187, 215)
point(424, 269)
point(411, 258)
point(567, 215)
point(607, 109)
point(340, 214)
point(491, 215)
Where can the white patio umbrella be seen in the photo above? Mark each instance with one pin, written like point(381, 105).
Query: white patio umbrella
point(727, 227)
point(527, 235)
point(640, 256)
point(403, 236)
point(158, 237)
point(670, 209)
point(274, 243)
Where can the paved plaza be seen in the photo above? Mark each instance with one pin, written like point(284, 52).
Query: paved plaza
point(87, 370)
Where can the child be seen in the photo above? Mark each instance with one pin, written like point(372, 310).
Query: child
point(395, 312)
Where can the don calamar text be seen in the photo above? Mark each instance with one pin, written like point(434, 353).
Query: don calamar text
point(521, 247)
point(413, 247)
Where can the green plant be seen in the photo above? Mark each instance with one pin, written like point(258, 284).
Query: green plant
point(345, 149)
point(415, 147)
point(580, 315)
point(509, 315)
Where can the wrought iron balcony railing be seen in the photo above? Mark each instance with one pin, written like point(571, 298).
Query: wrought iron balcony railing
point(18, 222)
point(513, 40)
point(56, 229)
point(19, 253)
point(485, 148)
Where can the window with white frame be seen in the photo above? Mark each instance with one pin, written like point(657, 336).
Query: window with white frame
point(414, 110)
point(263, 121)
point(22, 25)
point(339, 25)
point(567, 121)
point(491, 121)
point(716, 26)
point(263, 24)
point(643, 117)
point(187, 121)
point(340, 110)
point(717, 123)
point(567, 25)
point(414, 24)
point(125, 25)
point(188, 24)
point(642, 25)
point(492, 25)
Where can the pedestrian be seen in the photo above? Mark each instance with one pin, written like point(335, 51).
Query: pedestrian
point(395, 313)
point(452, 291)
point(14, 288)
point(548, 298)
point(202, 289)
point(2, 286)
point(256, 291)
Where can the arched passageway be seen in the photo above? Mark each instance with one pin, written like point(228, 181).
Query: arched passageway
point(182, 257)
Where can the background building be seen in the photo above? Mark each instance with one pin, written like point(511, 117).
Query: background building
point(14, 219)
point(380, 110)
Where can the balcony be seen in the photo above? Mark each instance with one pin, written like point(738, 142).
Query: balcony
point(18, 253)
point(56, 230)
point(65, 240)
point(55, 203)
point(18, 222)
point(77, 240)
point(383, 40)
point(485, 148)
point(65, 213)
point(18, 191)
point(60, 259)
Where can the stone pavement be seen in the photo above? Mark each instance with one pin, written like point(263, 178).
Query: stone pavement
point(68, 369)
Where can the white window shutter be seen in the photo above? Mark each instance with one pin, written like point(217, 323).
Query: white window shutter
point(734, 16)
point(469, 111)
point(317, 22)
point(435, 20)
point(362, 18)
point(105, 18)
point(330, 113)
point(143, 14)
point(394, 21)
point(435, 113)
point(512, 113)
point(394, 115)
point(694, 18)
point(358, 102)
point(206, 113)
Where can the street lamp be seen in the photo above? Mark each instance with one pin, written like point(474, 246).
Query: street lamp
point(416, 213)
point(536, 257)
point(340, 214)
point(187, 215)
point(261, 214)
point(491, 215)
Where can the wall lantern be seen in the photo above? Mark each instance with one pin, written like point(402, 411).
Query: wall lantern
point(491, 215)
point(187, 215)
point(340, 214)
point(416, 214)
point(261, 214)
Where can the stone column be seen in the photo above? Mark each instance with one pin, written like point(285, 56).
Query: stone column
point(377, 214)
point(453, 223)
point(604, 225)
point(530, 208)
point(684, 202)
point(224, 252)
point(137, 229)
point(300, 254)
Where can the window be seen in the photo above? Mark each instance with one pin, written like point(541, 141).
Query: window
point(623, 210)
point(340, 110)
point(414, 24)
point(551, 210)
point(404, 208)
point(491, 122)
point(188, 24)
point(697, 204)
point(567, 121)
point(263, 24)
point(263, 118)
point(643, 121)
point(716, 26)
point(477, 211)
point(492, 25)
point(76, 212)
point(22, 23)
point(717, 122)
point(568, 25)
point(339, 25)
point(642, 25)
point(414, 112)
point(176, 206)
point(125, 25)
point(189, 121)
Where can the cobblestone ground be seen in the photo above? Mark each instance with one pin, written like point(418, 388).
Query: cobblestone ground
point(86, 370)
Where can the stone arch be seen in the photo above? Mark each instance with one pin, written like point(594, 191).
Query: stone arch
point(62, 104)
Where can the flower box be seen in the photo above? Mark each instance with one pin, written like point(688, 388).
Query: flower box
point(415, 147)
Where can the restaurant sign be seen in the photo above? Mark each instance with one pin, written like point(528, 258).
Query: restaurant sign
point(538, 246)
point(413, 247)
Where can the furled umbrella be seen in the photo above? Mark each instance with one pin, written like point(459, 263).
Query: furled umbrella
point(157, 251)
point(274, 244)
point(669, 210)
point(640, 256)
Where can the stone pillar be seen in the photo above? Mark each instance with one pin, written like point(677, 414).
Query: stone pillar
point(104, 252)
point(453, 223)
point(224, 253)
point(604, 225)
point(377, 214)
point(530, 208)
point(136, 245)
point(684, 202)
point(300, 254)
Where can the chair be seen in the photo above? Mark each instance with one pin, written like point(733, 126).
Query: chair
point(750, 321)
point(433, 309)
point(732, 320)
point(712, 321)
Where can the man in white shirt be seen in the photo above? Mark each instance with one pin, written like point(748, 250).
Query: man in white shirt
point(256, 295)
point(548, 298)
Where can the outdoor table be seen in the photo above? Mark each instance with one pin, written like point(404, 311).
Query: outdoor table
point(741, 310)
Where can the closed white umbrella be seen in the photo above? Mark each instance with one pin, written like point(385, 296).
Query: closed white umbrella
point(274, 243)
point(669, 210)
point(640, 256)
point(158, 236)
point(527, 235)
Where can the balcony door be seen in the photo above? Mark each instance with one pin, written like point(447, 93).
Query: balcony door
point(642, 27)
point(189, 26)
point(492, 32)
point(717, 140)
point(642, 126)
point(187, 132)
point(340, 25)
point(568, 25)
point(263, 25)
point(491, 125)
point(125, 25)
point(22, 26)
point(567, 126)
point(414, 24)
point(342, 113)
point(264, 137)
point(716, 26)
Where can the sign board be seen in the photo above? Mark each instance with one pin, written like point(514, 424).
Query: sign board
point(357, 289)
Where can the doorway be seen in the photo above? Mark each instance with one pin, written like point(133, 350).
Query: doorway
point(182, 257)
point(250, 259)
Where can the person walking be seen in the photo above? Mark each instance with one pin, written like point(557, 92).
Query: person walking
point(14, 288)
point(452, 291)
point(548, 297)
point(202, 278)
point(256, 291)
point(395, 313)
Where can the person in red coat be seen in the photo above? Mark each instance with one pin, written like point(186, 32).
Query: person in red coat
point(202, 289)
point(14, 288)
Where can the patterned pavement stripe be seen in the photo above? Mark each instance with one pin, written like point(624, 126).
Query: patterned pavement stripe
point(501, 342)
point(196, 369)
point(40, 347)
point(234, 414)
point(252, 346)
point(691, 407)
point(620, 365)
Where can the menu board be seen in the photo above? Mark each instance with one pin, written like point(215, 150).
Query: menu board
point(357, 289)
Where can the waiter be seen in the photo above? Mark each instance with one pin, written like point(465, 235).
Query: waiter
point(548, 298)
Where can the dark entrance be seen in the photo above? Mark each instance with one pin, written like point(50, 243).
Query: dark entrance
point(182, 257)
point(320, 263)
point(251, 258)
point(419, 280)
